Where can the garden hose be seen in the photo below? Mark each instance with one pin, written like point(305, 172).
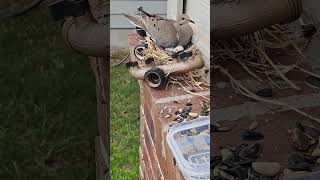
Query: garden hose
point(122, 61)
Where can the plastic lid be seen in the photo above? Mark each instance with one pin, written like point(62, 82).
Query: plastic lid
point(190, 144)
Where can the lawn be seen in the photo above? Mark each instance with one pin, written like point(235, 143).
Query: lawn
point(124, 155)
point(48, 107)
point(47, 103)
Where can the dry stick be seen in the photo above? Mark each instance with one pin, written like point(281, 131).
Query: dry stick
point(233, 56)
point(308, 72)
point(196, 83)
point(278, 71)
point(257, 98)
point(272, 81)
point(272, 35)
point(187, 91)
point(293, 44)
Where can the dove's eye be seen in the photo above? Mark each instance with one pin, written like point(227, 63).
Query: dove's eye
point(182, 18)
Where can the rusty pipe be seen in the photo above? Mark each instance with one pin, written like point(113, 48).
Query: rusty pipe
point(177, 68)
point(86, 36)
point(234, 19)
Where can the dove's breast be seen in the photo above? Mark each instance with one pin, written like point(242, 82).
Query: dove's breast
point(185, 33)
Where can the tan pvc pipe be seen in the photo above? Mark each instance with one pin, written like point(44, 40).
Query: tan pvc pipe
point(177, 68)
point(86, 36)
point(246, 16)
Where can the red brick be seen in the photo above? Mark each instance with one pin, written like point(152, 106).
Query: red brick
point(156, 155)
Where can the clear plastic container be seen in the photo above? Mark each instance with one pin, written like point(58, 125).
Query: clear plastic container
point(190, 144)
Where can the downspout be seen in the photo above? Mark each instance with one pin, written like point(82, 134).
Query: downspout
point(176, 68)
point(86, 36)
point(231, 19)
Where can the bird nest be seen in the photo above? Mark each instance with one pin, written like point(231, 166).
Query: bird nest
point(190, 82)
point(252, 52)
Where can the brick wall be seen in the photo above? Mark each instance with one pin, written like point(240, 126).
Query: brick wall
point(156, 159)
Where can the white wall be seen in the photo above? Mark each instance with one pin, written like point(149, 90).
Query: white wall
point(199, 12)
point(120, 28)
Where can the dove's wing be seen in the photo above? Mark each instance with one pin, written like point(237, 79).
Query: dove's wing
point(162, 31)
point(136, 20)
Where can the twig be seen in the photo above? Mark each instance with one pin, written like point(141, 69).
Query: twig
point(257, 98)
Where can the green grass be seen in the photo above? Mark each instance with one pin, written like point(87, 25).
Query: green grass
point(124, 155)
point(47, 103)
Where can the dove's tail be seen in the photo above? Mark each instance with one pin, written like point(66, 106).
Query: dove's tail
point(135, 21)
point(140, 9)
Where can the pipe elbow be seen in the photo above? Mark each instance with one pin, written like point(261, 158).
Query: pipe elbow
point(251, 15)
point(85, 36)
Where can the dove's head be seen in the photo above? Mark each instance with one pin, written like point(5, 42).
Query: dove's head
point(184, 19)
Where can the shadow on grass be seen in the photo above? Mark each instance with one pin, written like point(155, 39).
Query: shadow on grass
point(47, 103)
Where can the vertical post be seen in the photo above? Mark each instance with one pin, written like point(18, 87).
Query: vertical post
point(174, 7)
point(100, 67)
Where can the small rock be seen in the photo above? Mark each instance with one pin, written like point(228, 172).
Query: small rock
point(312, 132)
point(266, 168)
point(227, 176)
point(252, 136)
point(289, 173)
point(205, 132)
point(179, 120)
point(316, 152)
point(214, 123)
point(249, 151)
point(242, 172)
point(194, 131)
point(267, 92)
point(253, 125)
point(299, 140)
point(227, 155)
point(298, 162)
point(167, 116)
point(216, 172)
point(221, 129)
point(193, 115)
point(221, 85)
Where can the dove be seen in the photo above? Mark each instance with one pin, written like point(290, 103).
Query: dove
point(166, 33)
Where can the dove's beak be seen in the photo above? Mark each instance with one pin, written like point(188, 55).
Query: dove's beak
point(192, 21)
